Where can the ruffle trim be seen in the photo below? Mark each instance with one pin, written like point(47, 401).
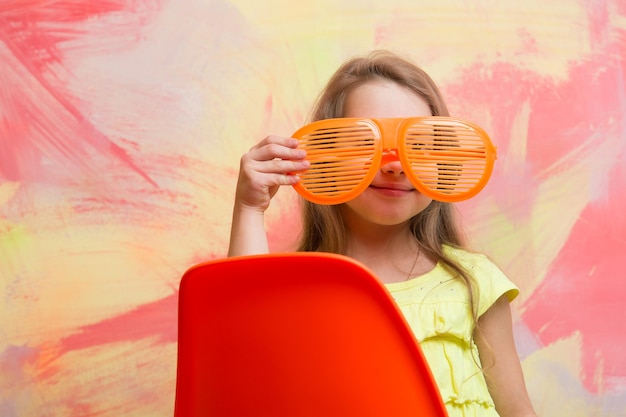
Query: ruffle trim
point(459, 401)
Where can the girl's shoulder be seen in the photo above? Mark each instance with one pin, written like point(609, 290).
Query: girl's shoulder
point(487, 277)
point(467, 258)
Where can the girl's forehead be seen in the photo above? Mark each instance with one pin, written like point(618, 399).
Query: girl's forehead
point(384, 98)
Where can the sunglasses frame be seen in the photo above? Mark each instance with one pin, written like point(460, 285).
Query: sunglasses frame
point(389, 138)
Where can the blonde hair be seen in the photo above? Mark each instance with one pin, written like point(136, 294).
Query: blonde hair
point(434, 227)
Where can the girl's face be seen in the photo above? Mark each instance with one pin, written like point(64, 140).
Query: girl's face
point(390, 199)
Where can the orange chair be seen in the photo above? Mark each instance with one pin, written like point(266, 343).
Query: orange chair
point(301, 334)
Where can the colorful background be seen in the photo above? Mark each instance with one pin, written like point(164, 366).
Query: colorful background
point(121, 128)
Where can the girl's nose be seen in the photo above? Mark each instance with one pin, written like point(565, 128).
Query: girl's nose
point(390, 164)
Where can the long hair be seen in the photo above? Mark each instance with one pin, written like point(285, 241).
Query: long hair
point(437, 225)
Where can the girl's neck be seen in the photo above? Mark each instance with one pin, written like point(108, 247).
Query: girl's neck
point(391, 252)
point(381, 240)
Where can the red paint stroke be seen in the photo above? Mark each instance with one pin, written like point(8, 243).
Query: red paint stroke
point(157, 319)
point(583, 291)
point(39, 121)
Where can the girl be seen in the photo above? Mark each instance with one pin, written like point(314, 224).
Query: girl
point(456, 301)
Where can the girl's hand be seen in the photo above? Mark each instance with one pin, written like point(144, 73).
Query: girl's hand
point(272, 162)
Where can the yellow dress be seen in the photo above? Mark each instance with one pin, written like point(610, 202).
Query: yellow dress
point(436, 306)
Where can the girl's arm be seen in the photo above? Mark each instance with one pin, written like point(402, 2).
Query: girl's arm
point(268, 165)
point(501, 363)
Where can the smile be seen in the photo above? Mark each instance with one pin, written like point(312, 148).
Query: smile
point(392, 190)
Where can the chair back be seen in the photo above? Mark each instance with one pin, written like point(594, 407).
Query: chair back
point(299, 334)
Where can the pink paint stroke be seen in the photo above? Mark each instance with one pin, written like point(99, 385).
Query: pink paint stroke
point(583, 291)
point(40, 121)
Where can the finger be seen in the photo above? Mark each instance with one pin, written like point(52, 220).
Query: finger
point(286, 179)
point(257, 170)
point(272, 152)
point(274, 147)
point(255, 161)
point(279, 140)
point(282, 166)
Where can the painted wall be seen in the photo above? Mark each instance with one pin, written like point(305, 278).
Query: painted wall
point(121, 128)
